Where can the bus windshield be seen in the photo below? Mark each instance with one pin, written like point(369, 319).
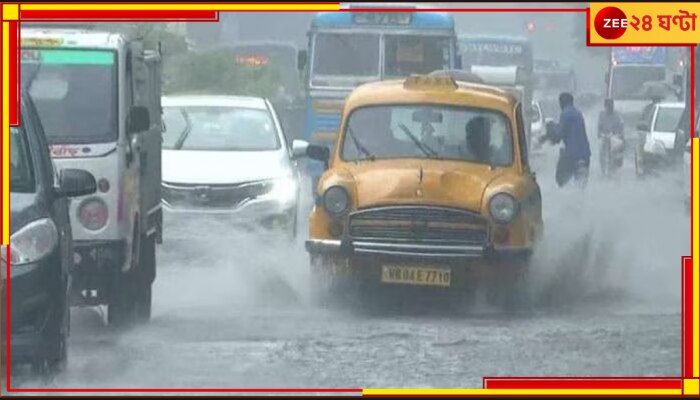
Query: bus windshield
point(346, 55)
point(74, 92)
point(346, 59)
point(415, 54)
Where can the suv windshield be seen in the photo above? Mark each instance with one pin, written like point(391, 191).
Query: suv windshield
point(428, 131)
point(74, 92)
point(21, 171)
point(218, 129)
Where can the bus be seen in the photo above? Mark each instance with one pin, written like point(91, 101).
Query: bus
point(347, 49)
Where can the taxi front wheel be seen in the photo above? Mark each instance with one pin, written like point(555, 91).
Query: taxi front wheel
point(326, 281)
point(508, 288)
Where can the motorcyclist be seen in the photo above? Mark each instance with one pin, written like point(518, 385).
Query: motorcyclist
point(610, 123)
point(574, 158)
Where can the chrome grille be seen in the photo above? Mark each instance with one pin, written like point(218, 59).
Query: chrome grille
point(418, 224)
point(215, 196)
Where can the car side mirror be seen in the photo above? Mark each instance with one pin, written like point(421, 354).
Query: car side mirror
point(318, 153)
point(302, 56)
point(642, 127)
point(299, 148)
point(139, 120)
point(76, 182)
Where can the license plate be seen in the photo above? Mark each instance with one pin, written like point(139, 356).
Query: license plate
point(416, 275)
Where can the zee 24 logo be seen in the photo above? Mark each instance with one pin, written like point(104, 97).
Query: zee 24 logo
point(611, 22)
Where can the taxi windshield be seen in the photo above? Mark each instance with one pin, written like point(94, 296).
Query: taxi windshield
point(218, 129)
point(428, 131)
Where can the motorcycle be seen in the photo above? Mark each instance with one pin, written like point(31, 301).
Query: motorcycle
point(611, 153)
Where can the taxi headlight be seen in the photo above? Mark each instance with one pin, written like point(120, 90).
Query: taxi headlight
point(503, 208)
point(336, 200)
point(33, 242)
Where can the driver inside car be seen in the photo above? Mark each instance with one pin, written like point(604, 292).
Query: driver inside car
point(478, 139)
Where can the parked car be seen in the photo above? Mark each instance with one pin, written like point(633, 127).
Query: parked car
point(40, 247)
point(658, 137)
point(228, 156)
point(428, 186)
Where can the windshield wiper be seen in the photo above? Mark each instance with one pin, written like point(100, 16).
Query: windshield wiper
point(181, 140)
point(359, 145)
point(430, 153)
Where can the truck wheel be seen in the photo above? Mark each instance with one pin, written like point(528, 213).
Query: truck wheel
point(144, 277)
point(121, 310)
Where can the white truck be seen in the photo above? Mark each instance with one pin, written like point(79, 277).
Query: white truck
point(98, 97)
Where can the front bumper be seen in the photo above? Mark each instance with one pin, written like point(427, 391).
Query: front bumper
point(265, 213)
point(347, 248)
point(35, 297)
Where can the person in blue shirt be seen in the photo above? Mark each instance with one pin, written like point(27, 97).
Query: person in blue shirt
point(574, 157)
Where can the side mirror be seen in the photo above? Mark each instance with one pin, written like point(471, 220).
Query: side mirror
point(302, 56)
point(76, 182)
point(642, 127)
point(318, 153)
point(139, 120)
point(299, 148)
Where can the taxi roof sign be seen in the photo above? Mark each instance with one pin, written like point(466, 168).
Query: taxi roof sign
point(430, 82)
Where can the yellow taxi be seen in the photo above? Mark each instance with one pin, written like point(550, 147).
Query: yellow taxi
point(428, 184)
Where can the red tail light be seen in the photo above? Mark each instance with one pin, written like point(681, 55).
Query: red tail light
point(93, 214)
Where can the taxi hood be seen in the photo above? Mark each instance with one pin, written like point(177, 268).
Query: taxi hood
point(444, 183)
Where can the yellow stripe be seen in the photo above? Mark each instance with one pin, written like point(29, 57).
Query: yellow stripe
point(696, 255)
point(436, 392)
point(327, 106)
point(180, 6)
point(5, 132)
point(327, 136)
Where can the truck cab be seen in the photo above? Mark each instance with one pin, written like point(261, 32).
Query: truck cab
point(97, 94)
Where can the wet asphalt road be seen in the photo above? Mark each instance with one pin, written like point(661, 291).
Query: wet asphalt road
point(232, 310)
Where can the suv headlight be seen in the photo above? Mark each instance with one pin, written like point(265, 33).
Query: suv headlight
point(284, 189)
point(503, 208)
point(336, 200)
point(33, 242)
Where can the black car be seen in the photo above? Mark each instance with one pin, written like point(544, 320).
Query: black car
point(41, 248)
